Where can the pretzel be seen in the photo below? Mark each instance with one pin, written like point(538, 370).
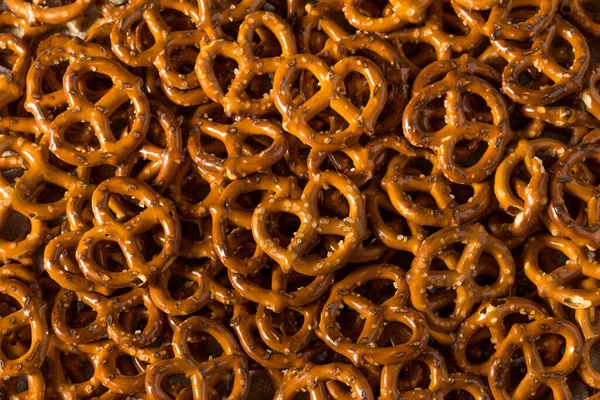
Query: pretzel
point(558, 283)
point(393, 64)
point(500, 25)
point(231, 360)
point(461, 273)
point(318, 25)
point(578, 12)
point(278, 296)
point(365, 160)
point(293, 348)
point(294, 257)
point(315, 380)
point(51, 51)
point(108, 318)
point(215, 15)
point(443, 141)
point(117, 378)
point(402, 13)
point(227, 211)
point(432, 33)
point(367, 349)
point(522, 337)
point(582, 231)
point(235, 101)
point(162, 148)
point(402, 178)
point(564, 80)
point(35, 390)
point(590, 95)
point(110, 149)
point(158, 212)
point(242, 159)
point(39, 14)
point(296, 118)
point(526, 201)
point(441, 382)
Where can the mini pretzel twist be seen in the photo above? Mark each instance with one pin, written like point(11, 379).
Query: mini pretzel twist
point(111, 149)
point(294, 347)
point(565, 81)
point(296, 118)
point(522, 337)
point(455, 87)
point(460, 276)
point(12, 85)
point(29, 311)
point(499, 24)
point(353, 228)
point(367, 347)
point(158, 212)
point(441, 381)
point(228, 212)
point(232, 361)
point(527, 200)
point(564, 179)
point(40, 14)
point(402, 178)
point(40, 100)
point(558, 283)
point(402, 13)
point(236, 101)
point(577, 123)
point(242, 159)
point(315, 380)
point(432, 33)
point(108, 319)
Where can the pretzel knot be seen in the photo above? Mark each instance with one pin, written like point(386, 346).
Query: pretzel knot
point(524, 200)
point(242, 158)
point(40, 14)
point(43, 99)
point(456, 87)
point(228, 213)
point(500, 24)
point(296, 118)
point(236, 101)
point(399, 13)
point(440, 382)
point(564, 81)
point(316, 379)
point(110, 147)
point(523, 337)
point(460, 277)
point(157, 212)
point(203, 374)
point(558, 283)
point(370, 346)
point(403, 179)
point(30, 311)
point(293, 347)
point(12, 84)
point(112, 317)
point(565, 180)
point(352, 228)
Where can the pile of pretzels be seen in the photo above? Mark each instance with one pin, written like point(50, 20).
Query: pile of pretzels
point(293, 199)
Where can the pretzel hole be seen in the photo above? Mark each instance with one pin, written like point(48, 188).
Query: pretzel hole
point(257, 143)
point(550, 259)
point(477, 108)
point(356, 88)
point(53, 76)
point(180, 287)
point(114, 259)
point(16, 344)
point(130, 366)
point(14, 226)
point(78, 369)
point(93, 85)
point(551, 348)
point(81, 135)
point(533, 79)
point(480, 348)
point(261, 386)
point(469, 159)
point(205, 347)
point(264, 43)
point(15, 386)
point(332, 203)
point(134, 320)
point(562, 51)
point(284, 227)
point(8, 58)
point(459, 394)
point(140, 37)
point(183, 59)
point(223, 67)
point(442, 301)
point(194, 188)
point(488, 271)
point(287, 323)
point(413, 374)
point(10, 175)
